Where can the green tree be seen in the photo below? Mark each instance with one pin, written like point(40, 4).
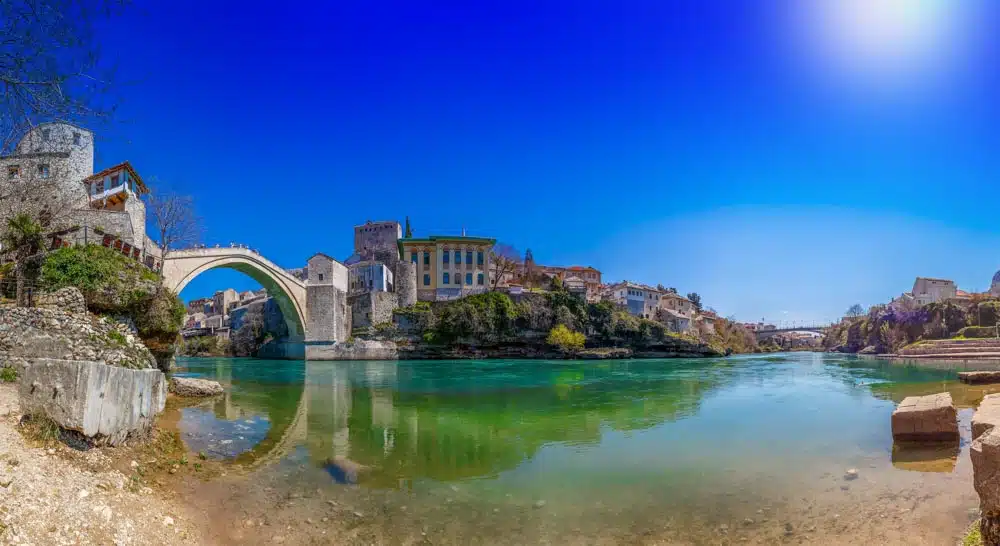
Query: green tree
point(408, 233)
point(23, 239)
point(696, 300)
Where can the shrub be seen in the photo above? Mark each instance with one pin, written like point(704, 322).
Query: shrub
point(8, 375)
point(117, 337)
point(566, 339)
point(978, 332)
point(988, 313)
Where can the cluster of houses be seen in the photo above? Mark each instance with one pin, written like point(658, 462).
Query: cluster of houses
point(225, 310)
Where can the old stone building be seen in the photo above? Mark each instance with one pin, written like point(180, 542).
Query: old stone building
point(326, 298)
point(376, 241)
point(51, 176)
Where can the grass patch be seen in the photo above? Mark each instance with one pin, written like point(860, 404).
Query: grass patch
point(973, 537)
point(8, 375)
point(40, 429)
point(117, 338)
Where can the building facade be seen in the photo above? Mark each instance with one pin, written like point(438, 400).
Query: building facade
point(929, 290)
point(377, 241)
point(369, 276)
point(448, 267)
point(225, 300)
point(676, 302)
point(640, 300)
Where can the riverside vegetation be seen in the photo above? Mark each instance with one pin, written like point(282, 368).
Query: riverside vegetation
point(550, 324)
point(888, 328)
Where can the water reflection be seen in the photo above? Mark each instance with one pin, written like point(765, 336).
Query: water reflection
point(387, 424)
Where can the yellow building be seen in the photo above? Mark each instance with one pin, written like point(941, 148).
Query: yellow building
point(448, 267)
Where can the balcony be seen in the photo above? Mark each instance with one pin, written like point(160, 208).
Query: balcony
point(110, 196)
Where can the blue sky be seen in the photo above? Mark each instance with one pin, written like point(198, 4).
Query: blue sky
point(783, 163)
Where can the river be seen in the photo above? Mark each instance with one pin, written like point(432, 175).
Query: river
point(747, 449)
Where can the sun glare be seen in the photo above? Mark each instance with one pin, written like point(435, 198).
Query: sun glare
point(885, 42)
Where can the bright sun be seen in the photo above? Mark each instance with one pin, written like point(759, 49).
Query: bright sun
point(885, 40)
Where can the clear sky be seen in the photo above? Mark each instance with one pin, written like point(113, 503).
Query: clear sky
point(783, 161)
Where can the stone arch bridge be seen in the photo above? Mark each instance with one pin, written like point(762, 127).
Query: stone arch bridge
point(181, 266)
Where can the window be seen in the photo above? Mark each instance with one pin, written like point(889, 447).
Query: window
point(320, 276)
point(427, 279)
point(458, 257)
point(446, 256)
point(43, 170)
point(468, 279)
point(468, 258)
point(427, 258)
point(413, 257)
point(479, 258)
point(76, 139)
point(447, 278)
point(480, 279)
point(46, 133)
point(13, 171)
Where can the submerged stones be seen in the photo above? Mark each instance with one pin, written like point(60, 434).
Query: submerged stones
point(187, 386)
point(925, 418)
point(978, 378)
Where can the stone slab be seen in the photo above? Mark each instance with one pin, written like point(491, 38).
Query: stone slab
point(981, 377)
point(105, 403)
point(987, 416)
point(925, 418)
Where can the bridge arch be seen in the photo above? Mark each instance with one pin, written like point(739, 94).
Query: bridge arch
point(182, 266)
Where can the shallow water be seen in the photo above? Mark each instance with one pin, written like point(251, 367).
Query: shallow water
point(740, 449)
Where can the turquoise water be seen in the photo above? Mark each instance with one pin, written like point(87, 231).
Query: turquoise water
point(707, 441)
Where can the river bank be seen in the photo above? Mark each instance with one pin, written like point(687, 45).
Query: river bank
point(53, 494)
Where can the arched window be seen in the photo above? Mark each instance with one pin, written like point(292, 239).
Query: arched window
point(447, 277)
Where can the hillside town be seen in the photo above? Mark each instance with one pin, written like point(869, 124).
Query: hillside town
point(446, 268)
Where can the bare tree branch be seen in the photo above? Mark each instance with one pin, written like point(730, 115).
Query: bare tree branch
point(50, 67)
point(505, 262)
point(175, 221)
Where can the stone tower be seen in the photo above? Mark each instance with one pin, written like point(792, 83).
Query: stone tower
point(406, 282)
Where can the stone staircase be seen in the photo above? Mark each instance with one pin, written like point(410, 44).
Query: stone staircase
point(954, 348)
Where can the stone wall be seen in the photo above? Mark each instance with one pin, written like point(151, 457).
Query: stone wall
point(31, 332)
point(329, 314)
point(67, 299)
point(372, 308)
point(360, 349)
point(108, 404)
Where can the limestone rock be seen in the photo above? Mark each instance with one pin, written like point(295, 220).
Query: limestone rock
point(987, 416)
point(189, 386)
point(108, 404)
point(979, 377)
point(925, 418)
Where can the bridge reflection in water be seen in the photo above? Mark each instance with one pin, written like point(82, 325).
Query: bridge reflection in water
point(405, 422)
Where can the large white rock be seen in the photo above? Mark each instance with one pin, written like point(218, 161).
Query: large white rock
point(105, 403)
point(189, 386)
